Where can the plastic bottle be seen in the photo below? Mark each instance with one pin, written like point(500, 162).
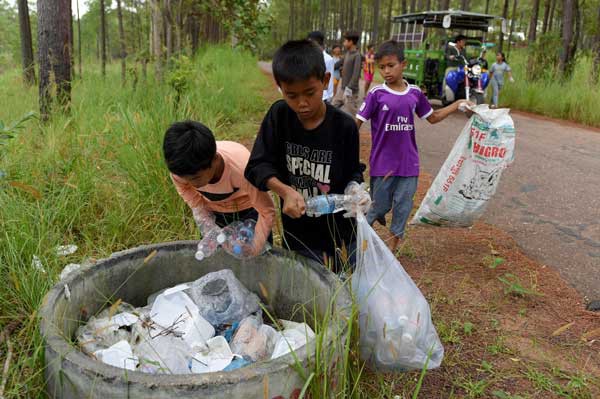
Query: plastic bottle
point(210, 243)
point(239, 237)
point(326, 204)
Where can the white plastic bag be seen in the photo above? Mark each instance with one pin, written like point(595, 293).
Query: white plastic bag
point(469, 177)
point(396, 332)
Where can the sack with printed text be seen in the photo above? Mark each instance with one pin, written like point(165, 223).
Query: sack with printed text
point(469, 178)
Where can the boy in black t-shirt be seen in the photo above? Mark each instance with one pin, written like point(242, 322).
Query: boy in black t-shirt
point(305, 148)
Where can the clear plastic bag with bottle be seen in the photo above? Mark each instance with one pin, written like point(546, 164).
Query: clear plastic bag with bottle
point(396, 331)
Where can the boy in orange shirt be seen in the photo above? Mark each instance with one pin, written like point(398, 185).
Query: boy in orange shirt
point(209, 176)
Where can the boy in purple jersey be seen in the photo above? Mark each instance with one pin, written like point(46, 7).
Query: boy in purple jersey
point(394, 160)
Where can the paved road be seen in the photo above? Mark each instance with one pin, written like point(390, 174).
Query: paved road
point(548, 200)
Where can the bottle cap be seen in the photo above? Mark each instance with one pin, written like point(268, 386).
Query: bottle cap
point(407, 338)
point(199, 255)
point(221, 238)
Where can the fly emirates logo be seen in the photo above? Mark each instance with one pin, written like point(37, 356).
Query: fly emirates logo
point(402, 125)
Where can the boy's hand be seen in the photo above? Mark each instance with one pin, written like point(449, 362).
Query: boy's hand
point(293, 204)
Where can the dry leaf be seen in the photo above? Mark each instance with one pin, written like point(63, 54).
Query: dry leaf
point(150, 256)
point(562, 329)
point(27, 188)
point(263, 290)
point(113, 308)
point(591, 334)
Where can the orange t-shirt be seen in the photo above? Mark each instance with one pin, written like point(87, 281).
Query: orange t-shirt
point(240, 194)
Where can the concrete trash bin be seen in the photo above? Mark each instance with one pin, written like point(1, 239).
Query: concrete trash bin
point(282, 281)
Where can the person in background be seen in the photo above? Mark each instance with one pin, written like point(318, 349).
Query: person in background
point(336, 53)
point(497, 71)
point(319, 39)
point(347, 97)
point(369, 67)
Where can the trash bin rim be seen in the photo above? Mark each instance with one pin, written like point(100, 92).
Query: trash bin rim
point(55, 342)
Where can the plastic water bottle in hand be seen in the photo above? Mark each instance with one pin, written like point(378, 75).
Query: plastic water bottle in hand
point(212, 235)
point(325, 204)
point(210, 243)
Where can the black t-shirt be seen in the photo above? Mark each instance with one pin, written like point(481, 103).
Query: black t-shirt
point(313, 162)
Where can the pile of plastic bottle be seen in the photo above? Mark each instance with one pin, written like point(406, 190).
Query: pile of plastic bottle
point(237, 238)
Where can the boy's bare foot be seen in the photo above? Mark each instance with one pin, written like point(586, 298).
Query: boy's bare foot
point(396, 241)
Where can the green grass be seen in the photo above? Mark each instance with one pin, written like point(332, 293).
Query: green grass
point(576, 99)
point(96, 178)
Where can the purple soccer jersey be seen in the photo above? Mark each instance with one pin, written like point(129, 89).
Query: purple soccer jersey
point(394, 147)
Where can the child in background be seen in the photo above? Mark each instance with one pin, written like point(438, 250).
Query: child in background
point(209, 176)
point(306, 147)
point(394, 159)
point(369, 68)
point(336, 53)
point(347, 97)
point(497, 71)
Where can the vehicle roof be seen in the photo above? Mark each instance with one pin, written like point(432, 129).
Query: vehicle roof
point(460, 19)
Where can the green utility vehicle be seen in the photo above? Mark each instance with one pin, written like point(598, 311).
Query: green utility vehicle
point(426, 37)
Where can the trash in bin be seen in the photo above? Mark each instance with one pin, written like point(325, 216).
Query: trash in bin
point(173, 335)
point(118, 355)
point(222, 299)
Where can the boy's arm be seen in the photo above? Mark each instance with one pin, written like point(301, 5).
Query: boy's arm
point(355, 71)
point(191, 197)
point(442, 113)
point(293, 203)
point(353, 166)
point(263, 203)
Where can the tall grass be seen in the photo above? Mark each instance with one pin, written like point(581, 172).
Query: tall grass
point(96, 178)
point(574, 99)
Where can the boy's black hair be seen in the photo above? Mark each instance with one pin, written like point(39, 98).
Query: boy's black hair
point(370, 45)
point(317, 37)
point(391, 47)
point(298, 60)
point(336, 46)
point(352, 36)
point(459, 38)
point(188, 147)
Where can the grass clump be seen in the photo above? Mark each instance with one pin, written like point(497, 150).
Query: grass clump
point(95, 178)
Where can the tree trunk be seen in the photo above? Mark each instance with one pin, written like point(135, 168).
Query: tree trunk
point(567, 37)
point(102, 37)
point(78, 38)
point(157, 38)
point(53, 53)
point(552, 9)
point(512, 26)
point(292, 33)
point(26, 43)
point(464, 5)
point(375, 37)
point(388, 22)
point(487, 6)
point(323, 17)
point(122, 54)
point(168, 21)
point(444, 4)
point(533, 22)
point(546, 16)
point(404, 7)
point(501, 35)
point(427, 5)
point(413, 5)
point(178, 27)
point(359, 18)
point(596, 47)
